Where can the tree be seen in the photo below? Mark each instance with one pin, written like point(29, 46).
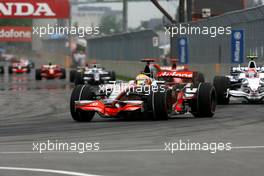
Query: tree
point(110, 24)
point(16, 22)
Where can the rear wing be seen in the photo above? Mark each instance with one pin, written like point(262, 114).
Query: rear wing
point(149, 60)
point(176, 74)
point(252, 57)
point(244, 69)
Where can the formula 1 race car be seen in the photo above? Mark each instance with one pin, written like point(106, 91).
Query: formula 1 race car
point(50, 72)
point(20, 66)
point(174, 93)
point(190, 94)
point(92, 74)
point(243, 82)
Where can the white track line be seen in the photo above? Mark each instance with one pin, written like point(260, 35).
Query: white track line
point(119, 151)
point(46, 171)
point(248, 147)
point(100, 151)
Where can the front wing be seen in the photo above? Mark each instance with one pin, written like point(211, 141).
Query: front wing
point(112, 109)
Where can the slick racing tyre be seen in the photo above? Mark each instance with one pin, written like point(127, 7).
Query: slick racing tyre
point(72, 75)
point(160, 103)
point(28, 69)
point(81, 92)
point(63, 74)
point(198, 78)
point(221, 84)
point(38, 74)
point(79, 79)
point(205, 102)
point(10, 70)
point(112, 76)
point(2, 70)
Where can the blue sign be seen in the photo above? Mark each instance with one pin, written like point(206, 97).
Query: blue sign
point(183, 51)
point(237, 46)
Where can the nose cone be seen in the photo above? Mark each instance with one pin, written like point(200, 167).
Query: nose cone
point(51, 71)
point(254, 84)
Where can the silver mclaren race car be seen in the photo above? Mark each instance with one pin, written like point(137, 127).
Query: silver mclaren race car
point(243, 82)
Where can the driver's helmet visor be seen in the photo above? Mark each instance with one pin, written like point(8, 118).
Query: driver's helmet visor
point(251, 74)
point(141, 81)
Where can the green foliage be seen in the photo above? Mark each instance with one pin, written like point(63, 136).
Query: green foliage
point(110, 25)
point(16, 22)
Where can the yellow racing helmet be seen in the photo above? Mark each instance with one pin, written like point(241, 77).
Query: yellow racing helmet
point(142, 79)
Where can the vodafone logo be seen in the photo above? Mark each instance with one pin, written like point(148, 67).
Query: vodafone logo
point(15, 34)
point(25, 9)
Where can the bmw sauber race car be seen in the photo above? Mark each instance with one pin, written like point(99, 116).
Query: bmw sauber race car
point(50, 71)
point(173, 93)
point(243, 82)
point(20, 66)
point(92, 74)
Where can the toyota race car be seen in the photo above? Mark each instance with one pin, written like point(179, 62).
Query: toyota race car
point(243, 82)
point(173, 93)
point(50, 72)
point(20, 66)
point(92, 74)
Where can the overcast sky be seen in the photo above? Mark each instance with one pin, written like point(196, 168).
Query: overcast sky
point(141, 11)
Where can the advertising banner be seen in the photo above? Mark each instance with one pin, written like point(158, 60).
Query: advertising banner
point(183, 51)
point(15, 34)
point(237, 46)
point(34, 9)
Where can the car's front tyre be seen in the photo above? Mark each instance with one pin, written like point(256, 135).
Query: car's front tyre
point(206, 101)
point(221, 84)
point(81, 92)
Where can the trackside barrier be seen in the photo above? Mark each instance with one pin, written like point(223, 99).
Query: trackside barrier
point(132, 68)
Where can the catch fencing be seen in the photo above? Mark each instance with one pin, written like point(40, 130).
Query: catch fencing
point(127, 46)
point(207, 50)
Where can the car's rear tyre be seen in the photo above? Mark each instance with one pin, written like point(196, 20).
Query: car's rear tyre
point(10, 70)
point(79, 79)
point(63, 73)
point(221, 84)
point(38, 74)
point(198, 78)
point(28, 69)
point(206, 101)
point(160, 103)
point(72, 75)
point(81, 92)
point(2, 70)
point(112, 76)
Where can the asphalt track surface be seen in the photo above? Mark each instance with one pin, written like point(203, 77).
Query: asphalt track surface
point(33, 111)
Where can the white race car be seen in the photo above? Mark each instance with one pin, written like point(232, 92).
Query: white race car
point(93, 74)
point(243, 82)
